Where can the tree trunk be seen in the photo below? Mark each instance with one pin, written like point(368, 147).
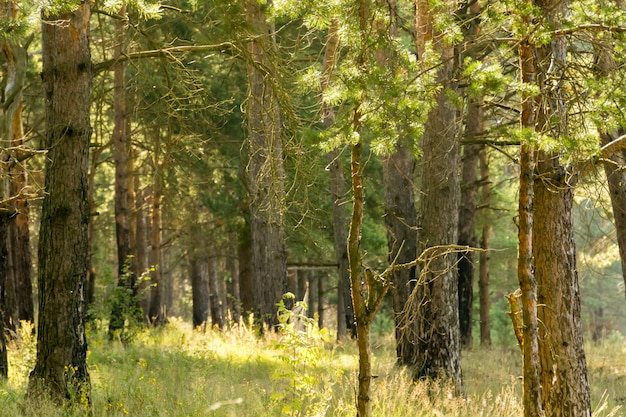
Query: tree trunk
point(61, 364)
point(232, 265)
point(563, 376)
point(532, 396)
point(217, 313)
point(157, 313)
point(265, 170)
point(338, 191)
point(562, 357)
point(4, 363)
point(142, 262)
point(19, 302)
point(246, 283)
point(485, 245)
point(199, 292)
point(467, 215)
point(616, 180)
point(401, 223)
point(438, 350)
point(126, 299)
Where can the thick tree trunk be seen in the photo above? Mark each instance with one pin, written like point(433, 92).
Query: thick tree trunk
point(485, 245)
point(61, 363)
point(562, 358)
point(438, 340)
point(266, 174)
point(401, 223)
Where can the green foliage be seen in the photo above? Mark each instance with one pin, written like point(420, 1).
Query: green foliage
point(301, 348)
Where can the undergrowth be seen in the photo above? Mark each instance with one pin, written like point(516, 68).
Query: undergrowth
point(298, 371)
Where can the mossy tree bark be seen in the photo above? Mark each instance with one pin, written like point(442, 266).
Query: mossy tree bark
point(61, 363)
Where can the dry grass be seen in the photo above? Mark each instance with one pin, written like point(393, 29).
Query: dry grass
point(178, 372)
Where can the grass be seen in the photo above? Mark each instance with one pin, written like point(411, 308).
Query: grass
point(175, 371)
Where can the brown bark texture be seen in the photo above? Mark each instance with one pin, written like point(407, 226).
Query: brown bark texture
point(4, 363)
point(564, 381)
point(125, 303)
point(484, 257)
point(61, 363)
point(266, 174)
point(438, 339)
point(19, 295)
point(401, 224)
point(199, 292)
point(532, 398)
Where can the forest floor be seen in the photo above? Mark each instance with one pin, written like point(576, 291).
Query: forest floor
point(175, 371)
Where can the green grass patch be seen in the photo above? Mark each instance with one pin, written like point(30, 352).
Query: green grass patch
point(178, 372)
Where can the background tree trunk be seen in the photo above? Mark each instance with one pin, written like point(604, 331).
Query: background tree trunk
point(217, 312)
point(4, 363)
point(401, 222)
point(61, 364)
point(438, 345)
point(126, 279)
point(199, 291)
point(265, 169)
point(485, 245)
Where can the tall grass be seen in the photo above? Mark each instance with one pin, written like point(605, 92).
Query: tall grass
point(176, 371)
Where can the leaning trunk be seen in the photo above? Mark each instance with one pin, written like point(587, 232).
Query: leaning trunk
point(61, 363)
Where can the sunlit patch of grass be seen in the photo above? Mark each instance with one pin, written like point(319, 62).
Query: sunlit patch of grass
point(176, 371)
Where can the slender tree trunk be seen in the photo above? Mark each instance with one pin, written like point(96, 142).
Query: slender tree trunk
point(61, 363)
point(4, 363)
point(142, 263)
point(19, 302)
point(157, 313)
point(401, 223)
point(265, 169)
point(232, 265)
point(338, 191)
point(121, 156)
point(246, 282)
point(438, 345)
point(532, 396)
point(199, 292)
point(485, 244)
point(616, 180)
point(217, 313)
point(467, 215)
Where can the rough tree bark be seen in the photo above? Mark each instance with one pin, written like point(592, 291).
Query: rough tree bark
point(533, 406)
point(266, 174)
point(438, 345)
point(61, 363)
point(564, 381)
point(4, 363)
